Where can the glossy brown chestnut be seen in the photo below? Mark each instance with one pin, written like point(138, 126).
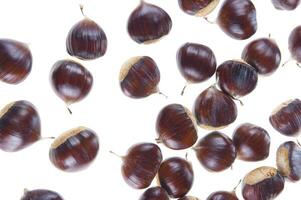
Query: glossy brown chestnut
point(176, 127)
point(294, 44)
point(286, 4)
point(263, 183)
point(237, 18)
point(148, 23)
point(252, 142)
point(188, 198)
point(71, 81)
point(20, 126)
point(214, 109)
point(200, 8)
point(286, 119)
point(263, 54)
point(236, 78)
point(41, 194)
point(16, 61)
point(216, 151)
point(154, 193)
point(222, 195)
point(176, 176)
point(196, 62)
point(141, 164)
point(289, 160)
point(74, 150)
point(139, 77)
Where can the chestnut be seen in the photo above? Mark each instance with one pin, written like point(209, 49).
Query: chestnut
point(236, 78)
point(252, 142)
point(41, 194)
point(176, 176)
point(200, 8)
point(294, 44)
point(154, 193)
point(148, 23)
point(20, 126)
point(188, 198)
point(263, 54)
point(16, 61)
point(86, 40)
point(289, 160)
point(214, 109)
point(237, 18)
point(263, 183)
point(216, 151)
point(286, 118)
point(139, 77)
point(176, 127)
point(74, 150)
point(286, 4)
point(222, 195)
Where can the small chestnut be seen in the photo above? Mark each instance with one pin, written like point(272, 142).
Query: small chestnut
point(294, 44)
point(176, 176)
point(263, 183)
point(176, 127)
point(252, 142)
point(222, 195)
point(20, 126)
point(286, 4)
point(188, 198)
point(16, 61)
point(74, 150)
point(200, 8)
point(289, 160)
point(41, 194)
point(148, 23)
point(237, 18)
point(154, 193)
point(216, 151)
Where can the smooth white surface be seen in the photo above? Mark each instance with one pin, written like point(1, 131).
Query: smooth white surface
point(119, 120)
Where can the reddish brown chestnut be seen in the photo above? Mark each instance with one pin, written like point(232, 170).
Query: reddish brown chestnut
point(289, 160)
point(252, 142)
point(263, 183)
point(188, 198)
point(214, 109)
point(286, 4)
point(176, 127)
point(139, 77)
point(74, 150)
point(222, 195)
point(294, 44)
point(216, 151)
point(287, 118)
point(20, 126)
point(176, 176)
point(16, 61)
point(236, 78)
point(41, 194)
point(200, 8)
point(263, 54)
point(237, 18)
point(154, 193)
point(148, 23)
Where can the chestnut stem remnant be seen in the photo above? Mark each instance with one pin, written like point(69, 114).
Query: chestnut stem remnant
point(183, 90)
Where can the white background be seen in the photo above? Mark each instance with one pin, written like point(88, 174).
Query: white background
point(119, 120)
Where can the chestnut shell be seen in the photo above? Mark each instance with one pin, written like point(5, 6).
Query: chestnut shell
point(286, 4)
point(222, 195)
point(154, 193)
point(294, 43)
point(198, 8)
point(41, 194)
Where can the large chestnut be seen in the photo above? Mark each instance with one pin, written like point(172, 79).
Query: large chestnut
point(216, 151)
point(236, 78)
point(263, 54)
point(148, 23)
point(237, 18)
point(20, 126)
point(154, 193)
point(294, 44)
point(287, 118)
point(263, 183)
point(286, 4)
point(41, 194)
point(176, 127)
point(74, 150)
point(176, 176)
point(200, 8)
point(214, 109)
point(252, 142)
point(289, 160)
point(16, 61)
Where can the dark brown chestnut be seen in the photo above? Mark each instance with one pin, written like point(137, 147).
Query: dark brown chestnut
point(200, 8)
point(214, 109)
point(289, 160)
point(216, 151)
point(263, 54)
point(286, 4)
point(154, 193)
point(139, 77)
point(294, 44)
point(20, 126)
point(16, 61)
point(222, 195)
point(176, 127)
point(176, 176)
point(263, 183)
point(41, 194)
point(148, 23)
point(188, 198)
point(74, 150)
point(252, 142)
point(236, 78)
point(287, 118)
point(237, 18)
